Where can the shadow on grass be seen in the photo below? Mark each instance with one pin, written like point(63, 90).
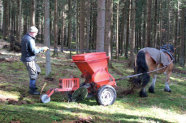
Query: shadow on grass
point(102, 117)
point(160, 99)
point(31, 114)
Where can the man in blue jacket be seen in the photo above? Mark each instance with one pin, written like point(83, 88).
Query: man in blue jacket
point(28, 54)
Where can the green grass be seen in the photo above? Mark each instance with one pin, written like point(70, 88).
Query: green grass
point(159, 107)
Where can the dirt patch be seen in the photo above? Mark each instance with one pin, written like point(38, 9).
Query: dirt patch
point(15, 121)
point(8, 100)
point(132, 86)
point(84, 120)
point(3, 43)
point(124, 91)
point(12, 101)
point(2, 79)
point(50, 79)
point(120, 61)
point(11, 59)
point(2, 87)
point(175, 70)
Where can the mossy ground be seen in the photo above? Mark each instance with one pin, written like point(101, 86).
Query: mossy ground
point(17, 105)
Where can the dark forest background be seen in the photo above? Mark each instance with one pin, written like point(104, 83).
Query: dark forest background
point(118, 27)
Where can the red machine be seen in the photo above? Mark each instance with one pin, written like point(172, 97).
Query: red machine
point(98, 81)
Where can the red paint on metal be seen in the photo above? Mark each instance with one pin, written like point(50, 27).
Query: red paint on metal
point(94, 68)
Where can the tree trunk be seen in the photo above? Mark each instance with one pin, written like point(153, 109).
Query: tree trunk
point(77, 27)
point(168, 21)
point(182, 42)
point(1, 15)
point(6, 19)
point(148, 34)
point(62, 29)
point(123, 29)
point(179, 31)
point(100, 26)
point(127, 32)
point(117, 32)
point(25, 24)
point(132, 32)
point(47, 36)
point(33, 9)
point(160, 25)
point(20, 25)
point(55, 27)
point(175, 34)
point(155, 23)
point(87, 4)
point(94, 28)
point(69, 26)
point(108, 38)
point(82, 24)
point(144, 27)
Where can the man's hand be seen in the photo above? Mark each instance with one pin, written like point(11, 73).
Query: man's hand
point(45, 49)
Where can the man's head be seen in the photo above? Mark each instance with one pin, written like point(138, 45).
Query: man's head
point(33, 31)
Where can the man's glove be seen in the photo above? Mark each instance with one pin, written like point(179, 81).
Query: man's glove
point(45, 49)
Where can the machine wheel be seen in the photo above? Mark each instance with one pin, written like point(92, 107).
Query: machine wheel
point(45, 98)
point(106, 95)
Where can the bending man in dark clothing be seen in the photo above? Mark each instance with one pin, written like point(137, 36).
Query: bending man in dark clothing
point(28, 54)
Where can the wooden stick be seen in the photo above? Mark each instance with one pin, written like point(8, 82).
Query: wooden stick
point(43, 87)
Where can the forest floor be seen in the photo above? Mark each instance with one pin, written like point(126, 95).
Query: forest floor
point(16, 105)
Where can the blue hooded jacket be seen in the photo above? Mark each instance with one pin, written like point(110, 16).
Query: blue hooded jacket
point(28, 49)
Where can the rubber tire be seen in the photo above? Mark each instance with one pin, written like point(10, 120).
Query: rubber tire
point(45, 98)
point(110, 91)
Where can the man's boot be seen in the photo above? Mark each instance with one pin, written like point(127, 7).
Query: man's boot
point(33, 91)
point(33, 87)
